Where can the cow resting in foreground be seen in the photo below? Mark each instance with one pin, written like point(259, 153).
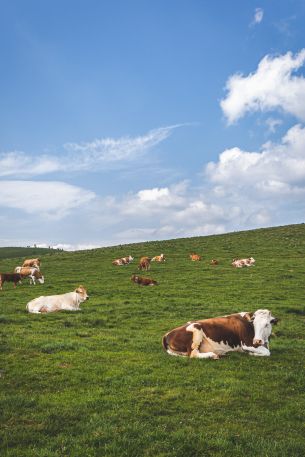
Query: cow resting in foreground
point(214, 337)
point(69, 302)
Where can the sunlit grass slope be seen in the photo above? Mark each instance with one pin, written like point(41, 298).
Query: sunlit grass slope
point(97, 382)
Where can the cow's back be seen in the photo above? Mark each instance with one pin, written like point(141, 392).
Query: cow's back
point(231, 330)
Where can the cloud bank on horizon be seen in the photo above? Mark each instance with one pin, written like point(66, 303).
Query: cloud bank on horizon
point(57, 198)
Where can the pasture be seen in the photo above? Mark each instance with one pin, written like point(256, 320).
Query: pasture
point(97, 382)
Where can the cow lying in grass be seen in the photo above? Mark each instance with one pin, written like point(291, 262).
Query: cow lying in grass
point(212, 338)
point(69, 302)
point(214, 262)
point(143, 281)
point(195, 257)
point(10, 277)
point(158, 258)
point(123, 261)
point(240, 263)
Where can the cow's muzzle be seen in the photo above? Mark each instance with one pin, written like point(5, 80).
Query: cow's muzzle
point(257, 343)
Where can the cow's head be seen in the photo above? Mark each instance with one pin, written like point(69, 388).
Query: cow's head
point(130, 258)
point(262, 320)
point(40, 278)
point(82, 292)
point(135, 278)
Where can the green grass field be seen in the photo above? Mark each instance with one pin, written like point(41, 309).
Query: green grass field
point(98, 383)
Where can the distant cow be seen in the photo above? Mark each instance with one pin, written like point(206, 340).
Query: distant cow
point(214, 262)
point(143, 281)
point(240, 263)
point(10, 277)
point(144, 263)
point(123, 260)
point(49, 304)
point(32, 273)
point(158, 258)
point(195, 257)
point(212, 338)
point(32, 263)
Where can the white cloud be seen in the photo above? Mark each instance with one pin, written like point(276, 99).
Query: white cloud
point(112, 150)
point(279, 169)
point(18, 163)
point(91, 156)
point(49, 199)
point(152, 195)
point(258, 16)
point(273, 86)
point(273, 124)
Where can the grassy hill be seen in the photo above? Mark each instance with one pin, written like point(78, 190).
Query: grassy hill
point(14, 252)
point(97, 382)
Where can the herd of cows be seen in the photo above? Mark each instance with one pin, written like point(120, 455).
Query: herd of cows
point(208, 338)
point(29, 269)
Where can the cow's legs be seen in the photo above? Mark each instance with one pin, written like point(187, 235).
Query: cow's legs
point(203, 355)
point(197, 340)
point(260, 351)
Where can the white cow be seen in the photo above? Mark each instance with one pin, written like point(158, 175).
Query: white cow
point(48, 304)
point(240, 263)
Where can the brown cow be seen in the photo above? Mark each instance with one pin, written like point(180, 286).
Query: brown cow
point(214, 262)
point(10, 277)
point(144, 263)
point(143, 281)
point(32, 263)
point(212, 338)
point(195, 257)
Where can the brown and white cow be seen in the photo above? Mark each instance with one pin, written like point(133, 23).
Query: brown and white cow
point(32, 263)
point(158, 258)
point(144, 263)
point(195, 257)
point(240, 263)
point(123, 261)
point(214, 337)
point(214, 262)
point(10, 277)
point(143, 281)
point(33, 273)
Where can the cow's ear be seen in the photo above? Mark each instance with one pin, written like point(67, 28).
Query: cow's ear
point(249, 317)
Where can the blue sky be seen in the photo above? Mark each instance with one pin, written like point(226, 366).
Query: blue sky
point(132, 120)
